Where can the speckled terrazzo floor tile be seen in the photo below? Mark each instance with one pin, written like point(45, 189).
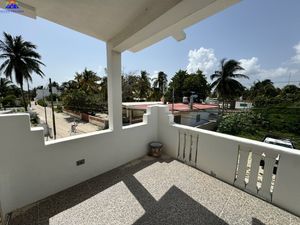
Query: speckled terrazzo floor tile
point(258, 210)
point(25, 216)
point(157, 179)
point(233, 208)
point(208, 191)
point(175, 207)
point(115, 205)
point(63, 200)
point(295, 220)
point(151, 191)
point(103, 181)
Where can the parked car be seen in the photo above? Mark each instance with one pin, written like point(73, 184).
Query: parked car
point(274, 140)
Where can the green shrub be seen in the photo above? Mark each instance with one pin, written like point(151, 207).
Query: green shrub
point(246, 122)
point(9, 101)
point(54, 97)
point(34, 118)
point(41, 102)
point(59, 109)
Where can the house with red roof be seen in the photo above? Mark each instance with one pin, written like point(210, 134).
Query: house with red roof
point(196, 115)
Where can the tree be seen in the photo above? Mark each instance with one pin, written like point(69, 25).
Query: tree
point(196, 83)
point(54, 84)
point(177, 83)
point(88, 81)
point(263, 93)
point(86, 93)
point(20, 59)
point(130, 88)
point(4, 86)
point(290, 90)
point(160, 82)
point(144, 85)
point(103, 88)
point(226, 86)
point(185, 84)
point(263, 88)
point(68, 85)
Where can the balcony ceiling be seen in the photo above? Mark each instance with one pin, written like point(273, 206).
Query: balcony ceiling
point(128, 25)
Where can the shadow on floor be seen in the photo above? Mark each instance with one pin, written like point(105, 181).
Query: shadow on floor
point(175, 207)
point(42, 211)
point(256, 221)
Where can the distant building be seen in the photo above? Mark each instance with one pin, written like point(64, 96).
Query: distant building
point(43, 93)
point(243, 105)
point(196, 116)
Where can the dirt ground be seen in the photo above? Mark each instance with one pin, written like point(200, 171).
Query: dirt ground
point(63, 122)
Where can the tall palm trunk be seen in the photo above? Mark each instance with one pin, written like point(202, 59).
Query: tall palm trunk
point(23, 98)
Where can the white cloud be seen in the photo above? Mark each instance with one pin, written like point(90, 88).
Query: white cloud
point(251, 66)
point(296, 57)
point(255, 72)
point(203, 59)
point(153, 75)
point(274, 73)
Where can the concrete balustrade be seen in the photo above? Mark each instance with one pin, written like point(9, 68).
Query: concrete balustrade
point(226, 157)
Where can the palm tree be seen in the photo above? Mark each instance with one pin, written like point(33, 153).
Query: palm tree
point(103, 88)
point(20, 59)
point(88, 81)
point(161, 83)
point(226, 86)
point(144, 85)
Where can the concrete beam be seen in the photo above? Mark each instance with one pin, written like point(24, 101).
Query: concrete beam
point(177, 18)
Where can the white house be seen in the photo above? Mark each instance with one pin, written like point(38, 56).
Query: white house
point(43, 93)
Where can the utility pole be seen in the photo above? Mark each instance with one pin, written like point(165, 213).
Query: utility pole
point(45, 110)
point(53, 115)
point(29, 95)
point(173, 99)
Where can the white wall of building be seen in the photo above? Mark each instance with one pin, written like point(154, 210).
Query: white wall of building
point(243, 105)
point(41, 93)
point(190, 118)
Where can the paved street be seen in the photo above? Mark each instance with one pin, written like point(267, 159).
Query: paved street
point(63, 122)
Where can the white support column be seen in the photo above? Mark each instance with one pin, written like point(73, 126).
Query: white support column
point(114, 88)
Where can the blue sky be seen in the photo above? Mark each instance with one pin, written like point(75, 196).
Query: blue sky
point(263, 35)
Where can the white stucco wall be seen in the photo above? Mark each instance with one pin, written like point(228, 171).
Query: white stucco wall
point(243, 105)
point(190, 118)
point(41, 93)
point(31, 170)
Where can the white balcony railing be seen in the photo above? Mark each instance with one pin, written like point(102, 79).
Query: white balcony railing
point(31, 170)
point(237, 161)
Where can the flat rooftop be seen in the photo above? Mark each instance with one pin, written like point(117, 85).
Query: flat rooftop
point(151, 191)
point(181, 107)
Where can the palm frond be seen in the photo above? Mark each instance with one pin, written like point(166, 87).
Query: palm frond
point(217, 74)
point(238, 75)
